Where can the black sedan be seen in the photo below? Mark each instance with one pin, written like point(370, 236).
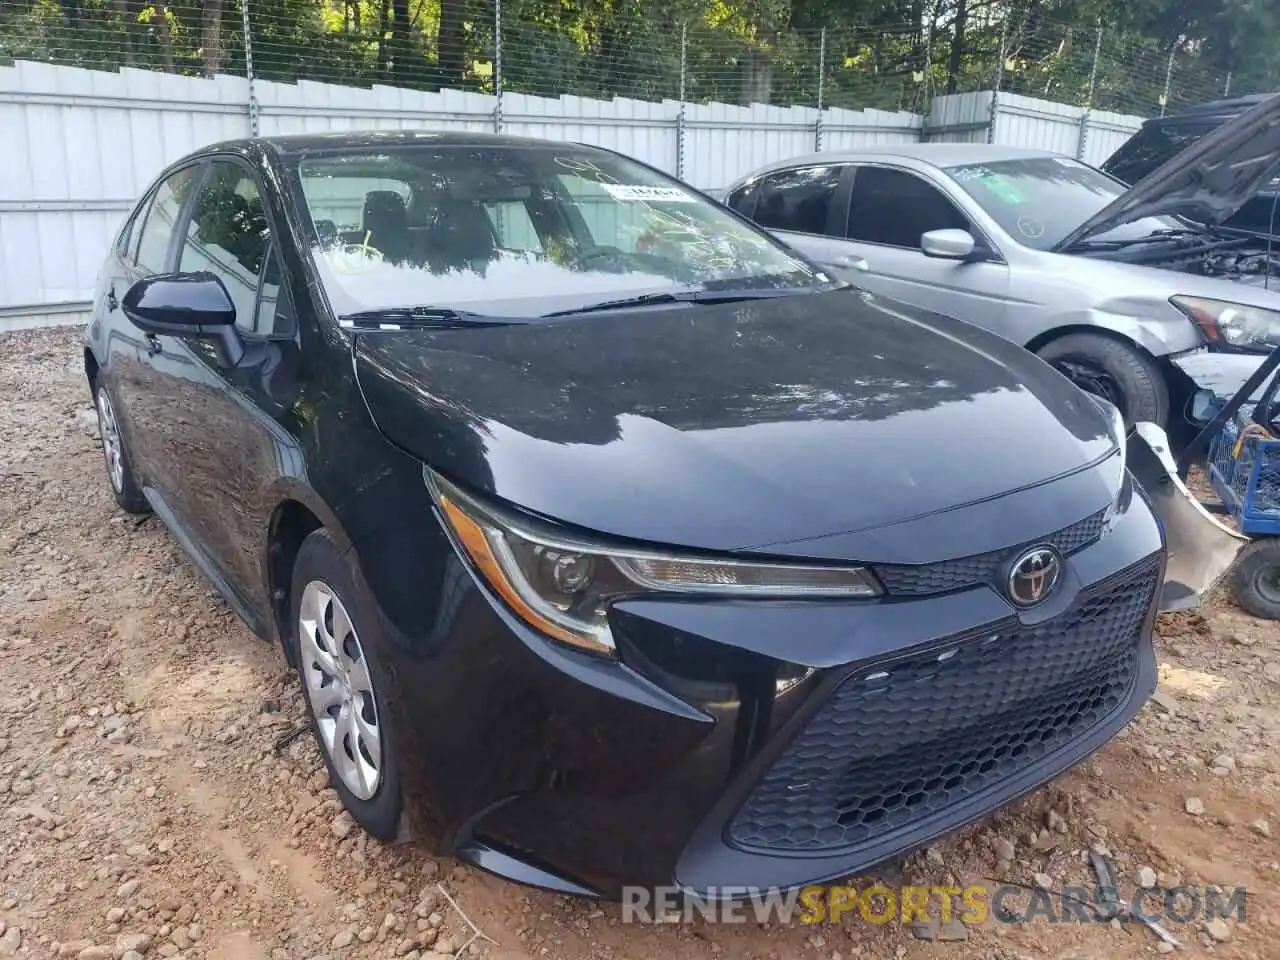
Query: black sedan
point(613, 542)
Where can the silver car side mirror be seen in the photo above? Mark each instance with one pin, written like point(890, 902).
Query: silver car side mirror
point(948, 244)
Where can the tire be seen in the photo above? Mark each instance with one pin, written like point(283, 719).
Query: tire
point(1115, 370)
point(344, 683)
point(115, 453)
point(1255, 578)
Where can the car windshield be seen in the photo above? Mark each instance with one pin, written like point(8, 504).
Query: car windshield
point(522, 231)
point(1040, 200)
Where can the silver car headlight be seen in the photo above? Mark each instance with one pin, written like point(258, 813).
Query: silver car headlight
point(1234, 324)
point(562, 585)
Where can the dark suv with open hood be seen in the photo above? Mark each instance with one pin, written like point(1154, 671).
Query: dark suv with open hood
point(1162, 138)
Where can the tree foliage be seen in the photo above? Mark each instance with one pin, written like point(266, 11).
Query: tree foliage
point(893, 54)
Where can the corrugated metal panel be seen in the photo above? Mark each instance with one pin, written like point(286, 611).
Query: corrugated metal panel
point(959, 117)
point(1107, 132)
point(1037, 124)
point(83, 144)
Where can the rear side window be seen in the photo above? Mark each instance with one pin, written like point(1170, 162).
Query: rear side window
point(127, 240)
point(513, 226)
point(339, 205)
point(743, 199)
point(161, 220)
point(798, 200)
point(896, 208)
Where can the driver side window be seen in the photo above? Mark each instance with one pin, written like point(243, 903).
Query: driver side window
point(896, 208)
point(161, 218)
point(229, 236)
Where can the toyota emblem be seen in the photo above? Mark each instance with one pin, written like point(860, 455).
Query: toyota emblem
point(1034, 576)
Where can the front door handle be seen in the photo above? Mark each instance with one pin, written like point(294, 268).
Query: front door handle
point(855, 263)
point(153, 345)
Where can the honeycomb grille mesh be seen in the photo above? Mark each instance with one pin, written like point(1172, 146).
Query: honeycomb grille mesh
point(932, 578)
point(901, 741)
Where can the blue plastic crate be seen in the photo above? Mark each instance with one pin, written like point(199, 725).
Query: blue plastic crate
point(1249, 484)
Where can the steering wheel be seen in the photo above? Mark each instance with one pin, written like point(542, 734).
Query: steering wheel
point(355, 258)
point(597, 253)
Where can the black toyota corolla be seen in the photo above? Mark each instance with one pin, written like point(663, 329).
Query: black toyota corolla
point(613, 542)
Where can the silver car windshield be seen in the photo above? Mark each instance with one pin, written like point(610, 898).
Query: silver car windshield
point(523, 231)
point(1040, 200)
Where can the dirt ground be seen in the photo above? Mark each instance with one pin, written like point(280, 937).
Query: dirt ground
point(143, 805)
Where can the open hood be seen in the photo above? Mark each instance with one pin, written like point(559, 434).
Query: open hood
point(1205, 183)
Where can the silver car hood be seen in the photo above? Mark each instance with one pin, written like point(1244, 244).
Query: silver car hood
point(1205, 183)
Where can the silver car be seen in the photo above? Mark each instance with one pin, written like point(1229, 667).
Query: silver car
point(1118, 287)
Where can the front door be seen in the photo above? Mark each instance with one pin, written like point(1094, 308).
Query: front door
point(236, 446)
point(890, 210)
point(216, 429)
point(141, 385)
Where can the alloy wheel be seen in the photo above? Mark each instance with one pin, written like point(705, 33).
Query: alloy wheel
point(110, 431)
point(340, 689)
point(1094, 380)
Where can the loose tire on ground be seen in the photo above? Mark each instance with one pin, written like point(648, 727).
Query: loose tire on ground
point(1143, 394)
point(1255, 578)
point(321, 570)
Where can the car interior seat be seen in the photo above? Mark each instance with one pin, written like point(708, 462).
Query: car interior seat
point(460, 230)
point(387, 223)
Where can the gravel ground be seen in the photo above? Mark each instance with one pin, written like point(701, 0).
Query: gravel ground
point(143, 807)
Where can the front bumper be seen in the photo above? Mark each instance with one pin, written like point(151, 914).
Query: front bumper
point(902, 750)
point(769, 744)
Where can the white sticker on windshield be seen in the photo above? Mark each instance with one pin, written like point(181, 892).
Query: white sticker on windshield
point(629, 191)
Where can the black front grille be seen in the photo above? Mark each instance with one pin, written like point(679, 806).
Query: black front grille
point(984, 568)
point(901, 740)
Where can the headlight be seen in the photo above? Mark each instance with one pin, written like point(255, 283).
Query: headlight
point(1232, 323)
point(562, 585)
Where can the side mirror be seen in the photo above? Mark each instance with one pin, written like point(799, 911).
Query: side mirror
point(194, 305)
point(948, 244)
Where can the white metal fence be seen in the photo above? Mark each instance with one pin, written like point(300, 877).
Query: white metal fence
point(82, 144)
point(1018, 121)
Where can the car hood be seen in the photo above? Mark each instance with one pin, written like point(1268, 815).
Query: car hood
point(1208, 182)
point(732, 426)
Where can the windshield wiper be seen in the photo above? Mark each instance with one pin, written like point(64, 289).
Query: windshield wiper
point(1173, 233)
point(691, 296)
point(434, 318)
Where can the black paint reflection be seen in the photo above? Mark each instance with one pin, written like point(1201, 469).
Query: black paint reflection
point(707, 425)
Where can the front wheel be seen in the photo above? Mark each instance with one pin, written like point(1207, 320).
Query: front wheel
point(1255, 578)
point(1113, 370)
point(124, 485)
point(335, 627)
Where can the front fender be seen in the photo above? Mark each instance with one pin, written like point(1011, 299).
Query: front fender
point(1157, 333)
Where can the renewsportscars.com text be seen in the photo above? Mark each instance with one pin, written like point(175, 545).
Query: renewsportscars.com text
point(879, 904)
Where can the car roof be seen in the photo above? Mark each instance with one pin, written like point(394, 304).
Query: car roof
point(292, 144)
point(932, 154)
